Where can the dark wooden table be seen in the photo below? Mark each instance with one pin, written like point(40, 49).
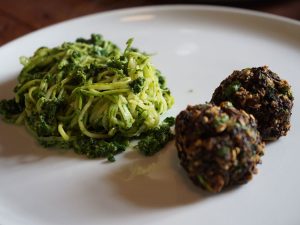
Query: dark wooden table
point(18, 17)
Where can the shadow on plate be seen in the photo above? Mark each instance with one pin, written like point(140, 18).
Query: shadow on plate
point(155, 182)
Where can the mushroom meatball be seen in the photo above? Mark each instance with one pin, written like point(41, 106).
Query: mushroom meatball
point(261, 93)
point(218, 146)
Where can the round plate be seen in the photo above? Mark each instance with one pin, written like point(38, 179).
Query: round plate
point(196, 47)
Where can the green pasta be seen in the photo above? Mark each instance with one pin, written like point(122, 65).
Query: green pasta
point(88, 91)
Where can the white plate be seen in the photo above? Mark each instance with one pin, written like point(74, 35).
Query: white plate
point(196, 48)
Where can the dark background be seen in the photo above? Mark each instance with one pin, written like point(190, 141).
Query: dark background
point(18, 17)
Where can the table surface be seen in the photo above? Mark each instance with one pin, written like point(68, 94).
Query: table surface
point(18, 17)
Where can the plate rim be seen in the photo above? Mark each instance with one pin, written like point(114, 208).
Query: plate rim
point(165, 7)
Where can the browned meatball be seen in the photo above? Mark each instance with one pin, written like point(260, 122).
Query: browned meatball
point(218, 146)
point(262, 93)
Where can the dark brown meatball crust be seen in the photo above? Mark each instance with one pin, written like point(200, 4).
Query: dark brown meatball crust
point(261, 93)
point(218, 146)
